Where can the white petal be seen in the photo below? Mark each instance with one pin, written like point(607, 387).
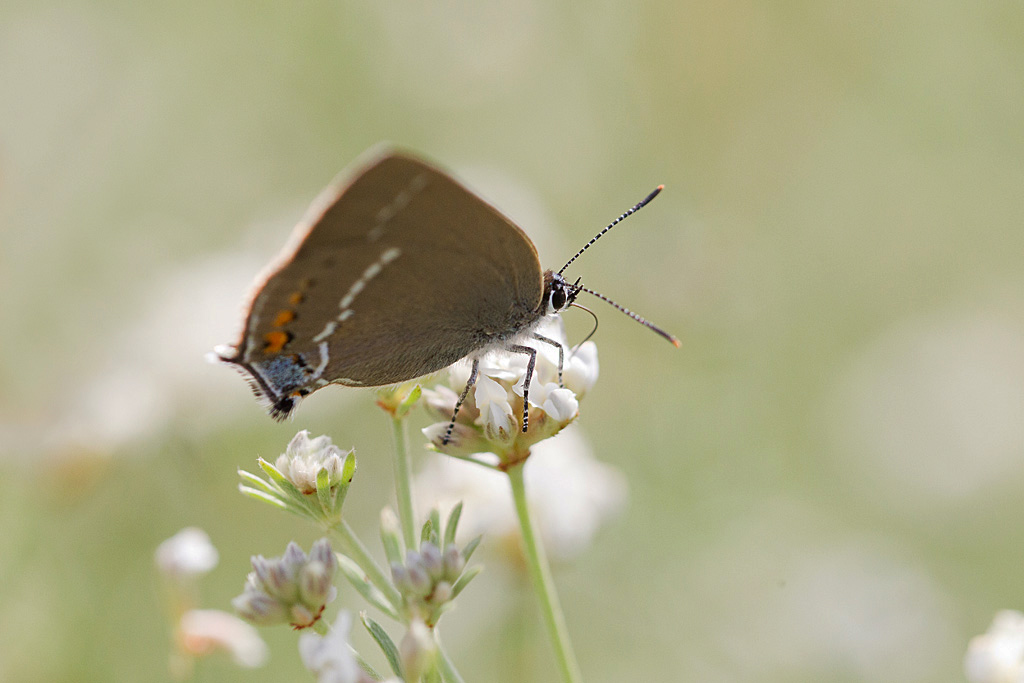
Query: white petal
point(561, 404)
point(496, 419)
point(329, 657)
point(582, 370)
point(488, 391)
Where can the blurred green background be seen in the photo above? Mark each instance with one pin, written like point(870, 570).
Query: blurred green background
point(826, 482)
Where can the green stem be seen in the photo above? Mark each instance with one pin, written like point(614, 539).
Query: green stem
point(355, 549)
point(448, 672)
point(403, 482)
point(543, 584)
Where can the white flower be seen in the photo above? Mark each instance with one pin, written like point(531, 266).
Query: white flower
point(305, 457)
point(570, 493)
point(187, 554)
point(580, 371)
point(997, 656)
point(202, 631)
point(490, 420)
point(558, 402)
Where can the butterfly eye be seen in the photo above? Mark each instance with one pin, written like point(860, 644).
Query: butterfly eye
point(558, 298)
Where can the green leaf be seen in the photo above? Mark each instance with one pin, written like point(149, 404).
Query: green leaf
point(357, 577)
point(323, 491)
point(453, 525)
point(392, 545)
point(385, 643)
point(464, 580)
point(259, 482)
point(426, 531)
point(365, 665)
point(348, 472)
point(432, 528)
point(271, 471)
point(408, 402)
point(467, 552)
point(264, 497)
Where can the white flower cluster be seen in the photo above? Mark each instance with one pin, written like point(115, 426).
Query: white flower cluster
point(305, 457)
point(490, 420)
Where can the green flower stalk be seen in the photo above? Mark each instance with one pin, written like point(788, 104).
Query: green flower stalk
point(490, 422)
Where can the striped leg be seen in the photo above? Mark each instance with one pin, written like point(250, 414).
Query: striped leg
point(462, 398)
point(532, 353)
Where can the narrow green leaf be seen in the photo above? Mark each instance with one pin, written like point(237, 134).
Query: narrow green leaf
point(365, 665)
point(467, 552)
point(261, 496)
point(408, 402)
point(426, 531)
point(348, 468)
point(258, 482)
point(464, 580)
point(348, 471)
point(271, 471)
point(323, 491)
point(435, 527)
point(385, 643)
point(357, 577)
point(392, 545)
point(452, 526)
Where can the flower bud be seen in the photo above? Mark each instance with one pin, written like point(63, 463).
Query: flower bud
point(416, 650)
point(293, 588)
point(430, 559)
point(454, 563)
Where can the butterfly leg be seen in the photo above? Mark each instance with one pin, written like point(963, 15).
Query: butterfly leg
point(561, 354)
point(462, 398)
point(532, 353)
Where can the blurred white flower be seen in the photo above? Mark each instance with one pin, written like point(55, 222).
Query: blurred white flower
point(187, 554)
point(490, 420)
point(785, 587)
point(153, 366)
point(570, 493)
point(929, 414)
point(997, 656)
point(202, 631)
point(331, 657)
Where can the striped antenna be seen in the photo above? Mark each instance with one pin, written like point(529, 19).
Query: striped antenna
point(646, 323)
point(615, 222)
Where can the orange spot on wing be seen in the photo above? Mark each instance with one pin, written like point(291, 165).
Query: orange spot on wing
point(275, 341)
point(296, 298)
point(284, 317)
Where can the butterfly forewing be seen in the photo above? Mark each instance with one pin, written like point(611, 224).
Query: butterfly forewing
point(403, 273)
